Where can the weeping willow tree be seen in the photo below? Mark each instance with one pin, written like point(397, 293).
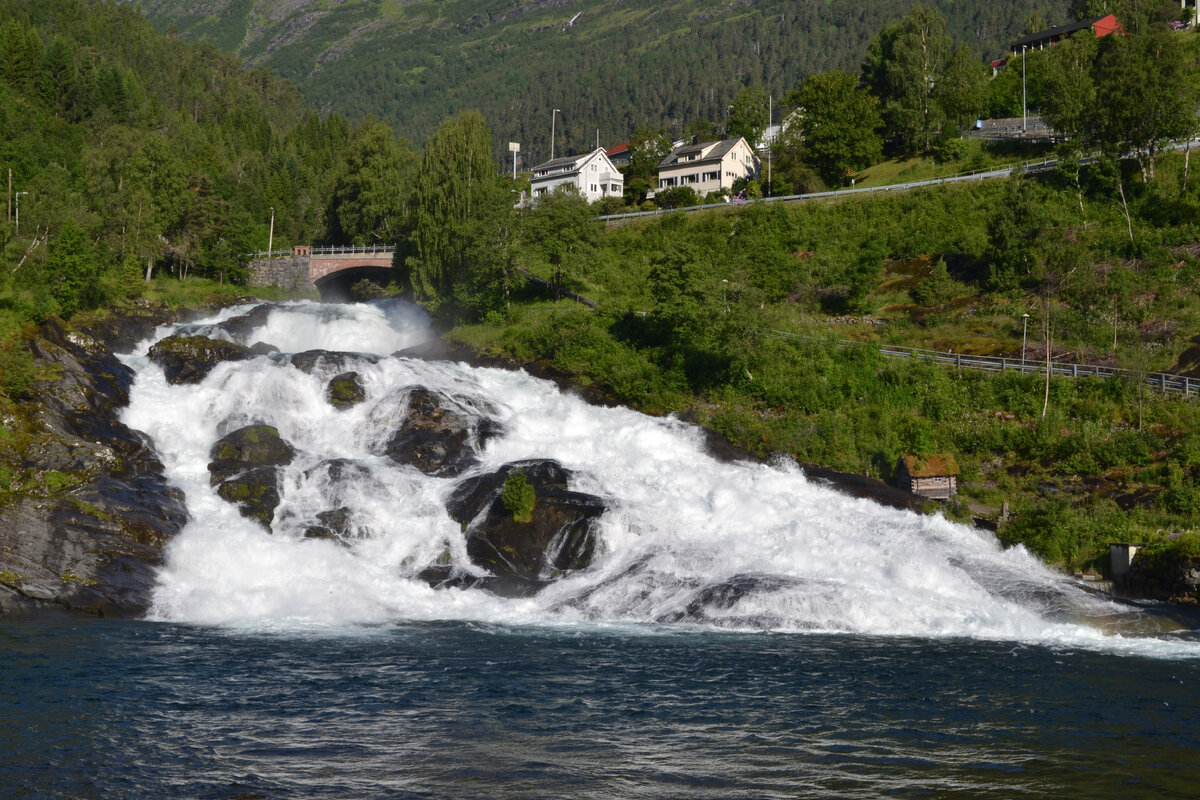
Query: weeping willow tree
point(460, 203)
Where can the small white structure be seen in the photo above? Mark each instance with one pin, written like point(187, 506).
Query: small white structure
point(592, 174)
point(708, 166)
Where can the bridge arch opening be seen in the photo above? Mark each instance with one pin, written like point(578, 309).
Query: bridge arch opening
point(335, 287)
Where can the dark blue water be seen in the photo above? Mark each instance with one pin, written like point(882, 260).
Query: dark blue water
point(146, 710)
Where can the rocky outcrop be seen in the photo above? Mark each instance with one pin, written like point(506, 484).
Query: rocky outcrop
point(246, 466)
point(1163, 576)
point(310, 361)
point(437, 438)
point(189, 359)
point(522, 555)
point(84, 505)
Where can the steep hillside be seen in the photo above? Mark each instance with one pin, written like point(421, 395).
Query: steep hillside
point(609, 65)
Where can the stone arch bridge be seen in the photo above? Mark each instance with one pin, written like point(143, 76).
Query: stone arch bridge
point(332, 270)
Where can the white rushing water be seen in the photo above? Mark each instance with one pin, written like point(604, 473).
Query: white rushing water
point(678, 520)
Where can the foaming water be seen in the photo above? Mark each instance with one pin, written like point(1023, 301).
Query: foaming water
point(686, 538)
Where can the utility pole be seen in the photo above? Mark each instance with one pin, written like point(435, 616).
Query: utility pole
point(770, 115)
point(18, 199)
point(552, 113)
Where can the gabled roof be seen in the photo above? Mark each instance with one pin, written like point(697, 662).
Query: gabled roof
point(617, 150)
point(573, 163)
point(930, 466)
point(715, 152)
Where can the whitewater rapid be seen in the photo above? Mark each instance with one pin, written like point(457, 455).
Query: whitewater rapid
point(678, 521)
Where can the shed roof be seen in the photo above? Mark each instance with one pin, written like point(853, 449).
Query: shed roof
point(930, 466)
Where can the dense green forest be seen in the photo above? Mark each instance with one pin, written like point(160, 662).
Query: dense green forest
point(620, 64)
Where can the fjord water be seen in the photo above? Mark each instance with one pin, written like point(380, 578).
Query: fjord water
point(743, 631)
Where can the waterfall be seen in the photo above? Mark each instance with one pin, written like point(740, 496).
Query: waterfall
point(685, 538)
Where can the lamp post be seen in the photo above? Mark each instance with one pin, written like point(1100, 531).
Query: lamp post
point(271, 233)
point(724, 296)
point(1024, 118)
point(18, 217)
point(552, 113)
point(1024, 330)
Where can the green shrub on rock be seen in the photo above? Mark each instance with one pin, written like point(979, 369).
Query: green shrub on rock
point(518, 497)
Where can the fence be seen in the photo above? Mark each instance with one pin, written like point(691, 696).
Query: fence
point(1164, 382)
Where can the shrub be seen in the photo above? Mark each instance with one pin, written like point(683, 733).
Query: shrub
point(518, 497)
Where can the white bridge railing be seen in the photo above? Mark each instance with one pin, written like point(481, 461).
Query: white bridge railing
point(348, 249)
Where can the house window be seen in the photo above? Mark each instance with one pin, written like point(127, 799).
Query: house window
point(593, 187)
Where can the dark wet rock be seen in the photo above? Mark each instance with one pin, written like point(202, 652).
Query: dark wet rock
point(86, 507)
point(339, 470)
point(1163, 576)
point(447, 577)
point(241, 327)
point(334, 524)
point(437, 438)
point(189, 359)
point(246, 466)
point(558, 537)
point(345, 390)
point(709, 601)
point(310, 361)
point(263, 349)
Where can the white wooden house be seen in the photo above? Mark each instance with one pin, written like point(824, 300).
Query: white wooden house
point(592, 174)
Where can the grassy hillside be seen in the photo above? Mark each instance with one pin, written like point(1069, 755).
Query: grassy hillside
point(622, 63)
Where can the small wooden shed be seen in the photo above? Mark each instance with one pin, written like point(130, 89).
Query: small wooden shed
point(933, 476)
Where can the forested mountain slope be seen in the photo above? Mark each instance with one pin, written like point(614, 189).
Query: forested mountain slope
point(129, 149)
point(609, 65)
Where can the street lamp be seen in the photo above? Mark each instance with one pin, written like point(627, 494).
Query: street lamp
point(724, 296)
point(271, 233)
point(18, 196)
point(1024, 329)
point(552, 113)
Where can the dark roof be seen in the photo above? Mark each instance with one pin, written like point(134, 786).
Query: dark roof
point(565, 161)
point(1057, 30)
point(930, 466)
point(559, 162)
point(719, 151)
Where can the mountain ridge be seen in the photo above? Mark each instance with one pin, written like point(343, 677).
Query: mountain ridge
point(609, 65)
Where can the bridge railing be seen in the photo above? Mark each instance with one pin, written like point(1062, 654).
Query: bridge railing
point(369, 249)
point(348, 249)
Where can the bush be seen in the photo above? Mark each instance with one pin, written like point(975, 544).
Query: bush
point(16, 368)
point(518, 497)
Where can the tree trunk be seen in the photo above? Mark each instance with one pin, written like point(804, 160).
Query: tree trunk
point(1046, 396)
point(1125, 207)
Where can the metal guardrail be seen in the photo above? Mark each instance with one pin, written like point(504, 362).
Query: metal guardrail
point(1164, 382)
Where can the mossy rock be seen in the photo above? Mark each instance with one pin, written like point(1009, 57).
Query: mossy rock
point(345, 390)
point(255, 492)
point(438, 438)
point(555, 537)
point(245, 468)
point(189, 359)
